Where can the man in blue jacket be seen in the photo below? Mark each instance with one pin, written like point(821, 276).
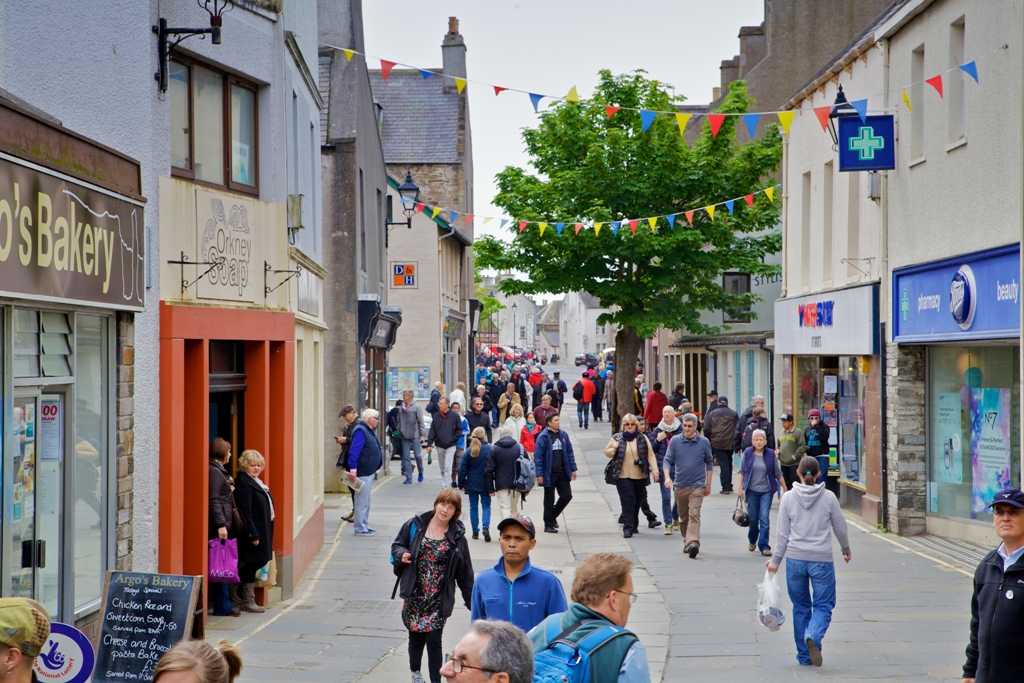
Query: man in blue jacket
point(364, 459)
point(556, 467)
point(514, 590)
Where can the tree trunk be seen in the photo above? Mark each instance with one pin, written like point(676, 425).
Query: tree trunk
point(627, 352)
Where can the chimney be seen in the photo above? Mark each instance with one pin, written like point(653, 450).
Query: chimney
point(716, 92)
point(453, 55)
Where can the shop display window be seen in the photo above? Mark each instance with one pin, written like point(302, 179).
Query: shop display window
point(853, 375)
point(973, 443)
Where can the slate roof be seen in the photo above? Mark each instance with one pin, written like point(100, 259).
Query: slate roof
point(552, 337)
point(589, 300)
point(550, 314)
point(324, 83)
point(421, 121)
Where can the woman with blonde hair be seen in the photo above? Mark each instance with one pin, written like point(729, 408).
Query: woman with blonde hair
point(207, 663)
point(633, 461)
point(432, 549)
point(516, 421)
point(472, 482)
point(255, 546)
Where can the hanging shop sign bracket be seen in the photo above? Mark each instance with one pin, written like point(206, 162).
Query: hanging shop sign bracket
point(268, 270)
point(217, 262)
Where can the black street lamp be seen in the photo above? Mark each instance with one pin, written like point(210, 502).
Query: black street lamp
point(410, 194)
point(841, 107)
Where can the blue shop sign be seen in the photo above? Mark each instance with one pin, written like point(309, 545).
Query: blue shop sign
point(975, 296)
point(867, 144)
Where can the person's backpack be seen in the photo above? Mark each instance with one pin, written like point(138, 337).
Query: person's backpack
point(399, 567)
point(563, 661)
point(577, 391)
point(526, 473)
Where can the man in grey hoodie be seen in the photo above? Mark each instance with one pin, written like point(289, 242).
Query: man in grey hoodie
point(808, 516)
point(410, 426)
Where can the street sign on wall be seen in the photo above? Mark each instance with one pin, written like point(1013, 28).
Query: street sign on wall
point(867, 144)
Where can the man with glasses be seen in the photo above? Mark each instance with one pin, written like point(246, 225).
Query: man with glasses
point(693, 463)
point(816, 436)
point(492, 651)
point(602, 594)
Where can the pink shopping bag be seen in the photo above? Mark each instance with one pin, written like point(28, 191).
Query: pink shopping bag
point(223, 561)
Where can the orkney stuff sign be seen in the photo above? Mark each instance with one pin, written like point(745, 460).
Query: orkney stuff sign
point(976, 296)
point(843, 322)
point(61, 241)
point(867, 144)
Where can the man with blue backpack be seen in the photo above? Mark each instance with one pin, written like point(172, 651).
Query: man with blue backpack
point(589, 643)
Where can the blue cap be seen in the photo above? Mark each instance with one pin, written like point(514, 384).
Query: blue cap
point(723, 400)
point(1014, 497)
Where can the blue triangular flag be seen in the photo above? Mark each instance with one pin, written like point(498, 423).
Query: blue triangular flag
point(454, 215)
point(615, 227)
point(536, 100)
point(671, 220)
point(971, 69)
point(559, 226)
point(751, 121)
point(504, 222)
point(862, 108)
point(426, 74)
point(731, 204)
point(646, 119)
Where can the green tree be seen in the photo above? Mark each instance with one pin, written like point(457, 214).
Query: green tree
point(590, 167)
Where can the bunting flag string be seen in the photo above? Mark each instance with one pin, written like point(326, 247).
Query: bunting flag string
point(715, 119)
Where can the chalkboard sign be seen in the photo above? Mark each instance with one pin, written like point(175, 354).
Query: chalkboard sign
point(144, 615)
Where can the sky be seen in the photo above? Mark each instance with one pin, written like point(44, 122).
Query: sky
point(547, 46)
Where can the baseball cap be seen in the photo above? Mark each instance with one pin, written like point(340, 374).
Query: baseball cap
point(813, 412)
point(787, 417)
point(24, 625)
point(522, 520)
point(723, 400)
point(712, 393)
point(1014, 497)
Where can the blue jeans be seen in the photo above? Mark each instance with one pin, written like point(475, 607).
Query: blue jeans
point(583, 413)
point(485, 501)
point(667, 499)
point(361, 503)
point(414, 446)
point(822, 468)
point(759, 507)
point(495, 414)
point(221, 599)
point(811, 615)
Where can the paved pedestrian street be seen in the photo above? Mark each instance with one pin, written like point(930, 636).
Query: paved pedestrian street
point(902, 614)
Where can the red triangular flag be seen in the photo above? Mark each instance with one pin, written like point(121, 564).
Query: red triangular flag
point(609, 110)
point(632, 226)
point(750, 199)
point(522, 225)
point(385, 68)
point(578, 226)
point(689, 217)
point(716, 123)
point(419, 207)
point(498, 90)
point(935, 82)
point(469, 219)
point(822, 114)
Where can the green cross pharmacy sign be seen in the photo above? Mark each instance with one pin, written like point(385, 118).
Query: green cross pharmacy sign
point(866, 144)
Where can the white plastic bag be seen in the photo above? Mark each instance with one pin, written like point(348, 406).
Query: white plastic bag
point(769, 602)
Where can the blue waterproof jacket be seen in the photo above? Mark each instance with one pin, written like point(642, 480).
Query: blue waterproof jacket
point(542, 453)
point(471, 471)
point(535, 595)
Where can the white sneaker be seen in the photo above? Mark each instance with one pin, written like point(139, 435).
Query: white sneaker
point(417, 677)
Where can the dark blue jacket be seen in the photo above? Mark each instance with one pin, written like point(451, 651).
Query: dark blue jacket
point(471, 471)
point(542, 455)
point(769, 465)
point(535, 595)
point(365, 455)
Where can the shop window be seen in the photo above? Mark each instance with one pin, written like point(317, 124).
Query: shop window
point(42, 344)
point(735, 284)
point(853, 375)
point(214, 126)
point(973, 435)
point(90, 461)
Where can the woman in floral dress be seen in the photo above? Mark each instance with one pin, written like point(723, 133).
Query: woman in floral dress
point(433, 555)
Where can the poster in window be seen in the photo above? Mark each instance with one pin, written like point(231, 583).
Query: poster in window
point(241, 171)
point(50, 437)
point(990, 445)
point(949, 457)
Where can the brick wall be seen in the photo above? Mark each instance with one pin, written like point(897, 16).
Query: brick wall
point(125, 437)
point(907, 483)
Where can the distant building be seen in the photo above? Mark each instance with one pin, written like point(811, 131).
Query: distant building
point(549, 327)
point(515, 325)
point(581, 331)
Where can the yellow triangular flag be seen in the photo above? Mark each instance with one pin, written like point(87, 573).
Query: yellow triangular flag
point(460, 84)
point(770, 192)
point(348, 54)
point(906, 100)
point(437, 210)
point(682, 120)
point(786, 119)
point(542, 226)
point(572, 96)
point(597, 228)
point(486, 219)
point(653, 220)
point(711, 211)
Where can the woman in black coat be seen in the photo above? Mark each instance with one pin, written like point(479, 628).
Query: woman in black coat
point(220, 526)
point(255, 548)
point(430, 554)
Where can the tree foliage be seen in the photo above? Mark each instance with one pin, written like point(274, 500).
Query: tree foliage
point(589, 167)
